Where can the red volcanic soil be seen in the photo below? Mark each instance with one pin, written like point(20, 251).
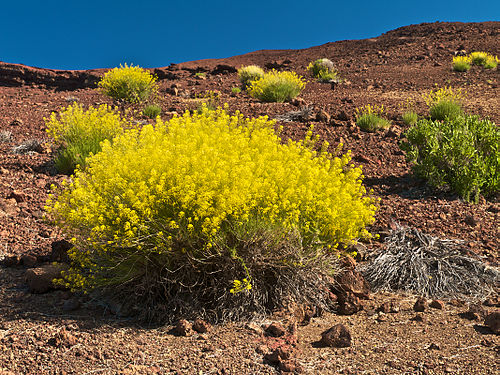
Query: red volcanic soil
point(63, 333)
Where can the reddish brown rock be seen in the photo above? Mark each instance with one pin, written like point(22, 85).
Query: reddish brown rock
point(40, 280)
point(60, 250)
point(11, 260)
point(349, 304)
point(420, 304)
point(492, 321)
point(322, 116)
point(475, 312)
point(183, 328)
point(437, 304)
point(275, 329)
point(62, 339)
point(28, 260)
point(338, 336)
point(201, 326)
point(389, 307)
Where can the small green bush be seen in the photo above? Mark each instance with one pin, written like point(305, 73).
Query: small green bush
point(151, 111)
point(323, 70)
point(491, 62)
point(250, 73)
point(445, 109)
point(185, 210)
point(370, 118)
point(479, 58)
point(444, 103)
point(461, 63)
point(129, 83)
point(78, 133)
point(277, 86)
point(410, 118)
point(235, 90)
point(462, 153)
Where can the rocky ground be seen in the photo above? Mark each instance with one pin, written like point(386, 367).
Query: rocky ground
point(57, 332)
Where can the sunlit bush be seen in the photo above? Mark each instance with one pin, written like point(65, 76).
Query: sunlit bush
point(462, 153)
point(129, 83)
point(78, 133)
point(203, 200)
point(371, 118)
point(277, 86)
point(250, 73)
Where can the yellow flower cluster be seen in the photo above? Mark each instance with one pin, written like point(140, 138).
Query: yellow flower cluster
point(176, 186)
point(443, 94)
point(485, 59)
point(276, 86)
point(370, 110)
point(130, 83)
point(250, 73)
point(78, 132)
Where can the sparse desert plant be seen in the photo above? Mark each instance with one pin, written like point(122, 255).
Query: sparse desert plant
point(250, 73)
point(78, 133)
point(152, 111)
point(419, 263)
point(129, 83)
point(239, 204)
point(200, 74)
point(444, 103)
point(461, 63)
point(371, 118)
point(410, 117)
point(491, 62)
point(277, 86)
point(479, 58)
point(5, 136)
point(461, 153)
point(235, 90)
point(323, 70)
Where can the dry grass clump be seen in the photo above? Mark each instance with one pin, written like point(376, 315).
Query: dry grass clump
point(420, 263)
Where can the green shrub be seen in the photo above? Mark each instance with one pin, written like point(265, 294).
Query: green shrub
point(277, 86)
point(129, 83)
point(151, 111)
point(445, 109)
point(250, 73)
point(410, 118)
point(370, 118)
point(462, 153)
point(321, 65)
point(188, 208)
point(444, 103)
point(491, 62)
point(235, 90)
point(461, 63)
point(78, 133)
point(479, 58)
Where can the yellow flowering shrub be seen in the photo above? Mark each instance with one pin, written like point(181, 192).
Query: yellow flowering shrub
point(129, 83)
point(250, 73)
point(461, 63)
point(196, 192)
point(276, 86)
point(444, 103)
point(78, 133)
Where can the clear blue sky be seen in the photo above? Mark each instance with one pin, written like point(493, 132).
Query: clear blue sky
point(100, 34)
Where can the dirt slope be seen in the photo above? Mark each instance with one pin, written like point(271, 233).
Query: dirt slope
point(59, 333)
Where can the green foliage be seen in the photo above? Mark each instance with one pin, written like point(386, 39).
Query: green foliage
point(444, 103)
point(461, 63)
point(78, 133)
point(250, 73)
point(277, 86)
point(151, 111)
point(235, 90)
point(200, 74)
point(203, 197)
point(129, 83)
point(410, 118)
point(479, 58)
point(462, 153)
point(370, 118)
point(491, 62)
point(445, 109)
point(320, 65)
